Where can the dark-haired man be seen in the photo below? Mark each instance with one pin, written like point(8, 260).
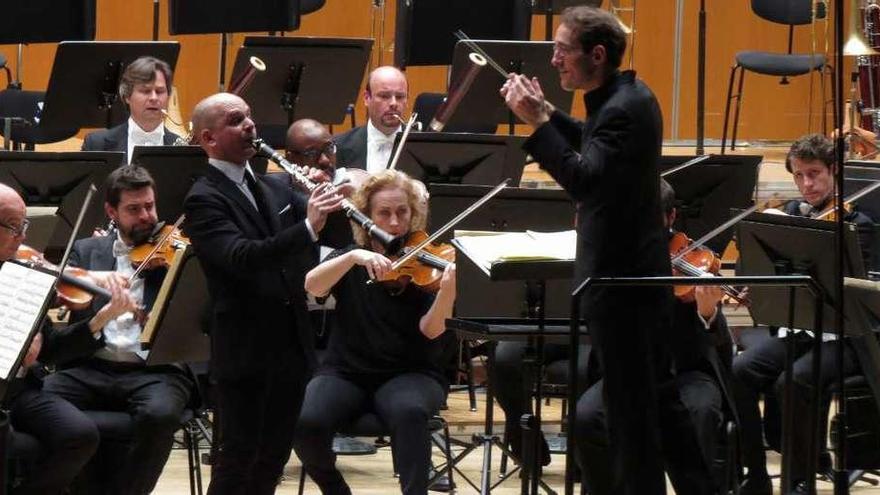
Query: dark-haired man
point(144, 86)
point(759, 369)
point(609, 165)
point(114, 375)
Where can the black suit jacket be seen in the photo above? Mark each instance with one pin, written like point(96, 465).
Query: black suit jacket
point(255, 272)
point(116, 139)
point(609, 165)
point(351, 148)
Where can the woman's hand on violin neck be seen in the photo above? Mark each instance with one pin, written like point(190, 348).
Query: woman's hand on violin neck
point(376, 264)
point(447, 282)
point(323, 201)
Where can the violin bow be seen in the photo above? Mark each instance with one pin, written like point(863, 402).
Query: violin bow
point(853, 197)
point(408, 125)
point(685, 165)
point(156, 248)
point(452, 223)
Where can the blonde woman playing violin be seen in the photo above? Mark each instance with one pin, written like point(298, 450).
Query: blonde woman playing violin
point(384, 357)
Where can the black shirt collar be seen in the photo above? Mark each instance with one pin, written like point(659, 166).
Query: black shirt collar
point(597, 97)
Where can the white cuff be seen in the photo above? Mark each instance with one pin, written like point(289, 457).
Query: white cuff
point(312, 233)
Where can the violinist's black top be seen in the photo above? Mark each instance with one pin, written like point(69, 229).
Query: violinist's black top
point(378, 334)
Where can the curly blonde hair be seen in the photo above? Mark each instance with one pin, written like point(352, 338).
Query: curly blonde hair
point(390, 179)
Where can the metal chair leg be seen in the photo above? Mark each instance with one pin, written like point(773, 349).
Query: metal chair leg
point(739, 98)
point(727, 107)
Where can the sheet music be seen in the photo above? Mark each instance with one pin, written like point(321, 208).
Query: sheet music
point(492, 247)
point(22, 294)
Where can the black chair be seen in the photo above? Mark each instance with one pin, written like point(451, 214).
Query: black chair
point(788, 12)
point(370, 425)
point(863, 431)
point(115, 429)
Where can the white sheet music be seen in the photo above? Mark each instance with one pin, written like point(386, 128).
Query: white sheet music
point(22, 293)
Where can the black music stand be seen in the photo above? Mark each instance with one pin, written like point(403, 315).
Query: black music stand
point(316, 78)
point(175, 169)
point(785, 245)
point(451, 158)
point(483, 101)
point(59, 180)
point(860, 174)
point(548, 8)
point(47, 21)
point(177, 330)
point(423, 31)
point(232, 16)
point(83, 88)
point(707, 191)
point(512, 209)
point(538, 273)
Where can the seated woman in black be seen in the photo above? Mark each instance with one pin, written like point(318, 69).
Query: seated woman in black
point(384, 357)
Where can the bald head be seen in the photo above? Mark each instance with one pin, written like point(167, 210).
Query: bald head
point(385, 98)
point(308, 143)
point(223, 127)
point(304, 129)
point(12, 216)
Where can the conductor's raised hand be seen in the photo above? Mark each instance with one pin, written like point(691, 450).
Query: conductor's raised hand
point(525, 98)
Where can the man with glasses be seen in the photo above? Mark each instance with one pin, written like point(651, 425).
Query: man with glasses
point(609, 166)
point(369, 147)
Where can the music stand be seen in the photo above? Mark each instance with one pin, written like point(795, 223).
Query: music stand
point(548, 8)
point(859, 174)
point(786, 245)
point(316, 78)
point(174, 170)
point(176, 329)
point(706, 192)
point(423, 30)
point(60, 180)
point(483, 102)
point(451, 158)
point(83, 88)
point(231, 16)
point(47, 21)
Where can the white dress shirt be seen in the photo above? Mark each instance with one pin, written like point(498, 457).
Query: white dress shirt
point(140, 137)
point(379, 146)
point(122, 336)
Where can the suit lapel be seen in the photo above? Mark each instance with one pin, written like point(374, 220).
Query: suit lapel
point(230, 190)
point(169, 138)
point(268, 208)
point(117, 139)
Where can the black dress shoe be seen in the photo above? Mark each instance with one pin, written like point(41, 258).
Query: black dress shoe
point(756, 485)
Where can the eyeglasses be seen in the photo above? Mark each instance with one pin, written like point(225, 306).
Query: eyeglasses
point(328, 149)
point(565, 50)
point(17, 231)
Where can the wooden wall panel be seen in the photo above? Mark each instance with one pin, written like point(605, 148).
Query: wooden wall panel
point(770, 111)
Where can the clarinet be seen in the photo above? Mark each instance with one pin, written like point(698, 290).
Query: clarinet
point(392, 244)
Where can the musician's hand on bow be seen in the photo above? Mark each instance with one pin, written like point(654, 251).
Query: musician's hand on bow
point(33, 351)
point(121, 302)
point(376, 264)
point(323, 201)
point(525, 98)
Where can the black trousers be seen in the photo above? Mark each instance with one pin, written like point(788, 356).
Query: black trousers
point(257, 417)
point(154, 396)
point(701, 397)
point(67, 435)
point(630, 331)
point(405, 403)
point(759, 369)
point(513, 383)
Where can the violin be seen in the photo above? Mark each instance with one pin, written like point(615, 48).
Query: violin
point(76, 288)
point(159, 248)
point(696, 262)
point(425, 268)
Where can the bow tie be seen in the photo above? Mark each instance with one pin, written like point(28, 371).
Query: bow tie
point(139, 136)
point(120, 248)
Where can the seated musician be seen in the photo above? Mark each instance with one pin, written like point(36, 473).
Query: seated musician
point(759, 369)
point(702, 350)
point(67, 437)
point(384, 358)
point(112, 375)
point(144, 86)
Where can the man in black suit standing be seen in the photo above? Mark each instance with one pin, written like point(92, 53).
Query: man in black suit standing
point(112, 374)
point(609, 165)
point(255, 238)
point(368, 147)
point(144, 86)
